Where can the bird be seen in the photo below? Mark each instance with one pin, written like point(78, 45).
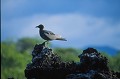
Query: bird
point(49, 35)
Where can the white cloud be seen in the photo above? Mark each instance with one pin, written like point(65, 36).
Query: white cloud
point(80, 30)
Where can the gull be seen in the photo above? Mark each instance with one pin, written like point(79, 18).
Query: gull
point(49, 35)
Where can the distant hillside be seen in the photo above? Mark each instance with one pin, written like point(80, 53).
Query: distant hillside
point(106, 49)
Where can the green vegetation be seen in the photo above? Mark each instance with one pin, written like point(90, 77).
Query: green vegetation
point(16, 55)
point(68, 54)
point(114, 62)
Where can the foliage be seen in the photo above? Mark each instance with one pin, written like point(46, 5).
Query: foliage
point(68, 54)
point(13, 62)
point(16, 55)
point(26, 44)
point(114, 62)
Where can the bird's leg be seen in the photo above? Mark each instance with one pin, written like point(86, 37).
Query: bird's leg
point(45, 42)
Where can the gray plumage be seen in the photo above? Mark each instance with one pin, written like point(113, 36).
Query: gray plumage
point(48, 35)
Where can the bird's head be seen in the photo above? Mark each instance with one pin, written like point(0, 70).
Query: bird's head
point(40, 26)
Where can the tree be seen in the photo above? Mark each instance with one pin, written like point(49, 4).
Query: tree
point(25, 44)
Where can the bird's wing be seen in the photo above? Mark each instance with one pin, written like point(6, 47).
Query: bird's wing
point(48, 32)
point(53, 36)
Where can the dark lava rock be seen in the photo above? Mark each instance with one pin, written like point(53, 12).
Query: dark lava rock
point(91, 59)
point(47, 65)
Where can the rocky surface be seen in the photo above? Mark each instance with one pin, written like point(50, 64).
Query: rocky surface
point(47, 65)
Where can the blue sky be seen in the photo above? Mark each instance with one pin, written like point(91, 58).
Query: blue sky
point(82, 22)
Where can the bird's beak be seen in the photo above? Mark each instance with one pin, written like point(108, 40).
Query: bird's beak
point(36, 27)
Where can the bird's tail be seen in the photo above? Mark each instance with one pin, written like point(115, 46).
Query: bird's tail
point(63, 39)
